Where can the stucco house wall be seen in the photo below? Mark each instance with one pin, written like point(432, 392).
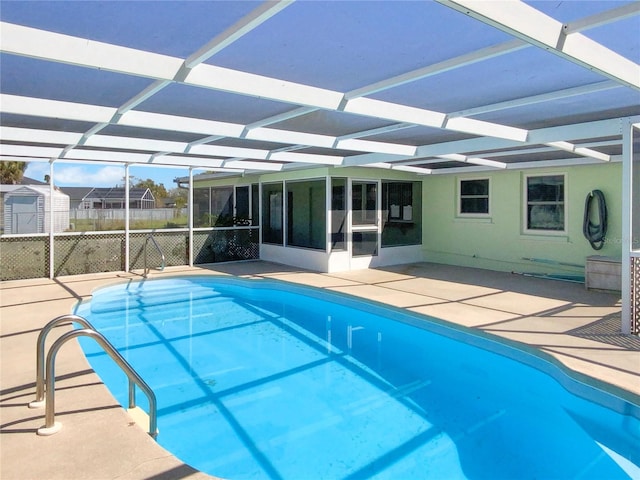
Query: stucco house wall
point(499, 242)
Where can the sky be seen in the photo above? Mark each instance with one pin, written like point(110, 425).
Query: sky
point(67, 174)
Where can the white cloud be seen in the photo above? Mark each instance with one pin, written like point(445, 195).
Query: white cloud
point(37, 170)
point(82, 176)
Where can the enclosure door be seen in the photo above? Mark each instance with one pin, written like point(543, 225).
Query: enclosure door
point(365, 222)
point(24, 215)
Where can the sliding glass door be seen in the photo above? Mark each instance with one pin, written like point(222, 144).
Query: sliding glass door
point(365, 221)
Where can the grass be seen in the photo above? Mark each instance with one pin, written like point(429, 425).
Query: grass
point(101, 225)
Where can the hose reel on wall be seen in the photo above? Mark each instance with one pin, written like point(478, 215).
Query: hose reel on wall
point(595, 233)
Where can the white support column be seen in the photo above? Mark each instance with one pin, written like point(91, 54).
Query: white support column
point(260, 217)
point(51, 220)
point(329, 219)
point(127, 243)
point(285, 219)
point(190, 213)
point(627, 191)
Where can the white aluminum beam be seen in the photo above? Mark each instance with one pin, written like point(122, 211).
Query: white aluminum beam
point(243, 83)
point(529, 24)
point(61, 48)
point(135, 118)
point(224, 151)
point(36, 43)
point(588, 130)
point(585, 152)
point(14, 134)
point(287, 136)
point(178, 160)
point(250, 165)
point(306, 158)
point(55, 109)
point(30, 151)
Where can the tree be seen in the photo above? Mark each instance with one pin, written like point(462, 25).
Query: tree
point(158, 190)
point(179, 196)
point(11, 173)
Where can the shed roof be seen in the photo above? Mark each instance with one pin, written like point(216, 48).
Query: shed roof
point(236, 86)
point(43, 190)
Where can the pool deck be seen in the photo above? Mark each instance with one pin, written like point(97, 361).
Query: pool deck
point(99, 440)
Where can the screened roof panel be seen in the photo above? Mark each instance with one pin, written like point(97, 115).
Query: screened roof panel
point(607, 104)
point(335, 45)
point(610, 37)
point(237, 142)
point(526, 72)
point(420, 136)
point(175, 28)
point(136, 132)
point(43, 123)
point(331, 123)
point(189, 101)
point(56, 81)
point(313, 81)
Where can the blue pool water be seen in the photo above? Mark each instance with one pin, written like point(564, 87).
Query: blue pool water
point(258, 379)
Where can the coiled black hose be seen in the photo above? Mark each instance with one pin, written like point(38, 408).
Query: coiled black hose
point(595, 232)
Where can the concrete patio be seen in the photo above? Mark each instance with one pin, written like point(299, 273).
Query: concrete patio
point(99, 440)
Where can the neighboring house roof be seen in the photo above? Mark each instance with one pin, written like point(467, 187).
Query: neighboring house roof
point(31, 181)
point(76, 194)
point(117, 193)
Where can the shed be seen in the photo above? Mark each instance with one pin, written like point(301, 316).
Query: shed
point(26, 210)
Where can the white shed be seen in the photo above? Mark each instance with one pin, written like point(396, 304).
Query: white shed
point(26, 210)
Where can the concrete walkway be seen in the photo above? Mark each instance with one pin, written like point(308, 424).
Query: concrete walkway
point(99, 440)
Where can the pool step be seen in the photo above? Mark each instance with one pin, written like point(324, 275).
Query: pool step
point(140, 417)
point(136, 299)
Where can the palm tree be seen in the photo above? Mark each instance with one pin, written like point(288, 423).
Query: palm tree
point(11, 173)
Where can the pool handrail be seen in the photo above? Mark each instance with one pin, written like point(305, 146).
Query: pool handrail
point(155, 243)
point(51, 426)
point(42, 337)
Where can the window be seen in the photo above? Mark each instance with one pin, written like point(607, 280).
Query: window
point(545, 203)
point(474, 197)
point(402, 215)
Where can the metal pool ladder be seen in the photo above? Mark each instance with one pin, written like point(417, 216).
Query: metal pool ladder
point(155, 243)
point(51, 426)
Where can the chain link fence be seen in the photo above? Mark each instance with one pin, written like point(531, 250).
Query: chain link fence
point(24, 257)
point(172, 244)
point(27, 256)
point(88, 253)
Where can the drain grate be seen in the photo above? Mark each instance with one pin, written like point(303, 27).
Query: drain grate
point(607, 330)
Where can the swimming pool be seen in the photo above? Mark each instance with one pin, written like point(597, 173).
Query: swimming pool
point(262, 379)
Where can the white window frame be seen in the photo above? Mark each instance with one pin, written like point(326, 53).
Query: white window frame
point(525, 205)
point(459, 211)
